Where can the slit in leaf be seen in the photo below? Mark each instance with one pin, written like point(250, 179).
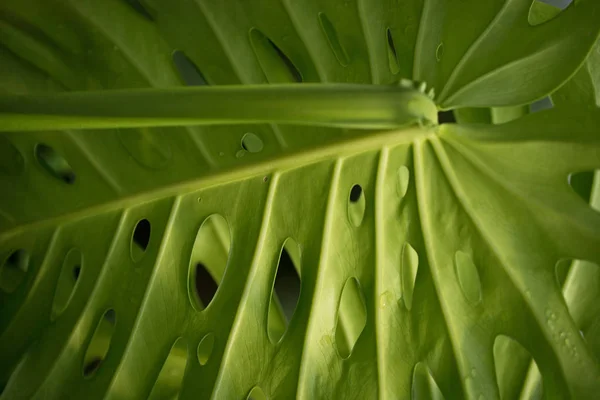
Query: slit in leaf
point(13, 270)
point(512, 363)
point(208, 261)
point(423, 385)
point(356, 205)
point(408, 272)
point(333, 39)
point(468, 276)
point(99, 344)
point(188, 70)
point(140, 239)
point(256, 394)
point(392, 55)
point(170, 379)
point(351, 318)
point(140, 9)
point(583, 184)
point(276, 65)
point(54, 163)
point(205, 348)
point(542, 11)
point(67, 280)
point(12, 162)
point(541, 105)
point(286, 290)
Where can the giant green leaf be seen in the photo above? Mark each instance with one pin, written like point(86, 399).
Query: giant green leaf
point(427, 253)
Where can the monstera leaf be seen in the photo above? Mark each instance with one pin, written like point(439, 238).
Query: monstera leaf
point(454, 260)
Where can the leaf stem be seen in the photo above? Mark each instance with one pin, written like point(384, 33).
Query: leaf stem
point(335, 105)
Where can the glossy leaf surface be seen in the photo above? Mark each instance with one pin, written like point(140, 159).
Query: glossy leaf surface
point(449, 235)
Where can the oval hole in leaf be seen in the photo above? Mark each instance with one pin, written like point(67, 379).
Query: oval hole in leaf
point(257, 394)
point(11, 159)
point(188, 70)
point(67, 280)
point(286, 290)
point(99, 344)
point(583, 183)
point(252, 143)
point(356, 205)
point(545, 10)
point(169, 381)
point(208, 261)
point(54, 163)
point(140, 9)
point(140, 239)
point(205, 285)
point(334, 41)
point(351, 318)
point(512, 363)
point(392, 55)
point(409, 268)
point(468, 276)
point(276, 65)
point(205, 348)
point(149, 147)
point(14, 269)
point(423, 385)
point(403, 181)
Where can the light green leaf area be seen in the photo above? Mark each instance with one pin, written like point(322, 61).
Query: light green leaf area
point(436, 261)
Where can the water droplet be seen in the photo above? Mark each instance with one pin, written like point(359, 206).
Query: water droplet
point(548, 312)
point(240, 153)
point(563, 335)
point(468, 276)
point(553, 316)
point(439, 52)
point(473, 372)
point(386, 299)
point(221, 154)
point(409, 268)
point(568, 342)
